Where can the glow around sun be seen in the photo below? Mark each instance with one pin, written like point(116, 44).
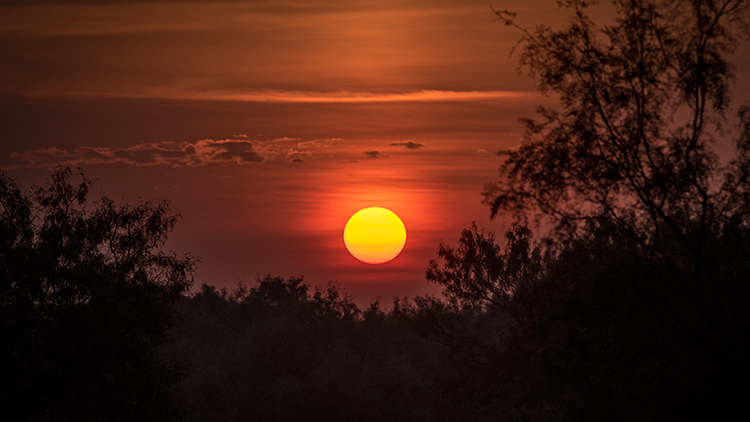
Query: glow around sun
point(374, 235)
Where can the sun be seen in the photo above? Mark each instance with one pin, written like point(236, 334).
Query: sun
point(374, 235)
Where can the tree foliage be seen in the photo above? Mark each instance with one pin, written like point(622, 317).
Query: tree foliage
point(86, 299)
point(634, 306)
point(280, 350)
point(479, 272)
point(642, 100)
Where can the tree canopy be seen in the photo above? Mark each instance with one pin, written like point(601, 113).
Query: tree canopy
point(86, 299)
point(634, 305)
point(643, 101)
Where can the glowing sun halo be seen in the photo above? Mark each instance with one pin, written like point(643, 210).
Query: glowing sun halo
point(374, 235)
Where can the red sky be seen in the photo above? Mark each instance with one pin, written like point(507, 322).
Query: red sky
point(268, 123)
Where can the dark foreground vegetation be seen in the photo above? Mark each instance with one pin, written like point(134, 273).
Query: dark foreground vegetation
point(634, 307)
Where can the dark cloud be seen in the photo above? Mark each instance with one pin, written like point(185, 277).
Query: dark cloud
point(94, 154)
point(295, 156)
point(200, 153)
point(44, 157)
point(374, 154)
point(149, 154)
point(407, 144)
point(231, 150)
point(189, 149)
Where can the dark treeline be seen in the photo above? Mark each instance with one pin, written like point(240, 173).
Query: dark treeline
point(276, 351)
point(633, 307)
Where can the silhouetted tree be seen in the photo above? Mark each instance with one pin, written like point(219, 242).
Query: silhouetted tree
point(633, 308)
point(86, 299)
point(481, 273)
point(633, 141)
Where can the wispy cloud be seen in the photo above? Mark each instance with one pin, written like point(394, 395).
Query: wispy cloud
point(273, 96)
point(329, 51)
point(295, 156)
point(204, 152)
point(238, 150)
point(321, 143)
point(286, 139)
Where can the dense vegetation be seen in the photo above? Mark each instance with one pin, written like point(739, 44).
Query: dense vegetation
point(634, 307)
point(86, 299)
point(277, 352)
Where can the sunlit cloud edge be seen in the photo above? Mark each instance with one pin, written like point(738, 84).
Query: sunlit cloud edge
point(271, 96)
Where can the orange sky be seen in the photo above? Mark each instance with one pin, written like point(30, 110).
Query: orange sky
point(268, 123)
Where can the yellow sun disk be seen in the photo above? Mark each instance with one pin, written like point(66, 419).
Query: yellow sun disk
point(375, 235)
